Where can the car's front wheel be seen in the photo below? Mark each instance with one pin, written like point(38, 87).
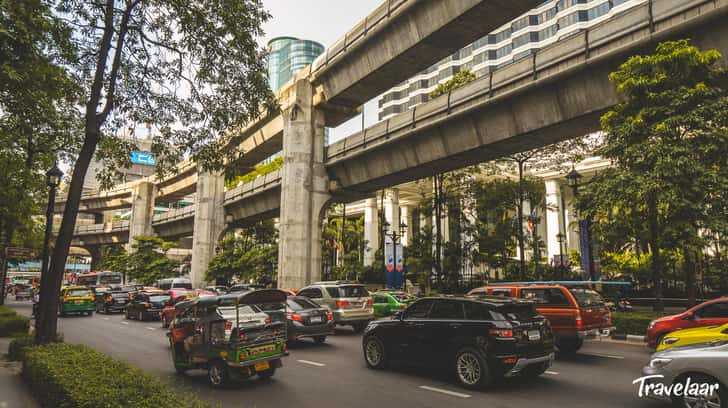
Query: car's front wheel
point(374, 353)
point(471, 369)
point(717, 399)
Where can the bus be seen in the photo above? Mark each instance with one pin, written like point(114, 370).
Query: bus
point(102, 278)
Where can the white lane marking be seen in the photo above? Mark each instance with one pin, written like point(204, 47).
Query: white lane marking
point(124, 322)
point(447, 392)
point(603, 355)
point(106, 318)
point(151, 328)
point(551, 372)
point(313, 363)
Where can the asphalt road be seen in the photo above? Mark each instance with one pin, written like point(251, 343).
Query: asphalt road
point(334, 374)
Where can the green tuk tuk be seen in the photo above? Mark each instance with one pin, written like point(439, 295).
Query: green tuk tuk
point(229, 336)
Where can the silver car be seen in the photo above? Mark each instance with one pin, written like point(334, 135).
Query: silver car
point(699, 369)
point(349, 302)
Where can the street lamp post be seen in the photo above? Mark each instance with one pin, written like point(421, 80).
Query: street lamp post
point(573, 178)
point(395, 236)
point(560, 237)
point(53, 179)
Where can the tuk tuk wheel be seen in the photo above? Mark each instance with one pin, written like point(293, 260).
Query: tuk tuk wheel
point(218, 373)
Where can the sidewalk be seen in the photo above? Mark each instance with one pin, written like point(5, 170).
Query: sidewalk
point(13, 391)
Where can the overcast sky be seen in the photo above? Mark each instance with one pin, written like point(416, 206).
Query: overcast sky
point(324, 21)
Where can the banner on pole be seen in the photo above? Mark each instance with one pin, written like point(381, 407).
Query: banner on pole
point(389, 256)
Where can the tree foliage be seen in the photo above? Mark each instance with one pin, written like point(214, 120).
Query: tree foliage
point(668, 142)
point(459, 79)
point(148, 263)
point(250, 254)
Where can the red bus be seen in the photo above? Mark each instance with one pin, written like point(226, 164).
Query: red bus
point(101, 278)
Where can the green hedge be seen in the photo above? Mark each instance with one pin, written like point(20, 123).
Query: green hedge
point(632, 323)
point(66, 375)
point(12, 325)
point(16, 347)
point(7, 311)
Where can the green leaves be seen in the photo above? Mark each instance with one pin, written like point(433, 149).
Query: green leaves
point(250, 254)
point(146, 264)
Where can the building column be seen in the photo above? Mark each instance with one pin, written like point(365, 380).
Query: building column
point(391, 211)
point(209, 223)
point(553, 219)
point(371, 231)
point(96, 257)
point(304, 191)
point(142, 211)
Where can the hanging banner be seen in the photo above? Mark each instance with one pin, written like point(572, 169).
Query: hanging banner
point(389, 256)
point(585, 248)
point(400, 257)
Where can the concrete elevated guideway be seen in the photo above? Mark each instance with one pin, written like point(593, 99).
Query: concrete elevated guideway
point(556, 93)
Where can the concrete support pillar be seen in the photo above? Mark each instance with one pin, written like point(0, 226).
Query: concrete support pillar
point(371, 230)
point(553, 218)
point(142, 211)
point(391, 211)
point(209, 223)
point(304, 191)
point(96, 257)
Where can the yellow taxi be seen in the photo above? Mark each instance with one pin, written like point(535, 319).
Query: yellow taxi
point(76, 299)
point(695, 335)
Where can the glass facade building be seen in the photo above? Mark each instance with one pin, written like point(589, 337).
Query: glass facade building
point(287, 56)
point(546, 24)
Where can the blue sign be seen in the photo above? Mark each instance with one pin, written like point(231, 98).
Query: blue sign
point(144, 158)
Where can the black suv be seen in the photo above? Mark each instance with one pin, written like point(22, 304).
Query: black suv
point(479, 340)
point(111, 301)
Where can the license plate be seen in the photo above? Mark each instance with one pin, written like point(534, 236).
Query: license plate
point(262, 366)
point(262, 349)
point(534, 335)
point(316, 319)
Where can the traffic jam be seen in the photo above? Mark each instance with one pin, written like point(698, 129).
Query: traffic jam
point(479, 340)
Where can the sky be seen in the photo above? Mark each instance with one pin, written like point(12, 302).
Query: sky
point(324, 21)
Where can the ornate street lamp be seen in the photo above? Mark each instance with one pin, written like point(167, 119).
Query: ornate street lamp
point(395, 236)
point(572, 178)
point(561, 238)
point(585, 246)
point(53, 179)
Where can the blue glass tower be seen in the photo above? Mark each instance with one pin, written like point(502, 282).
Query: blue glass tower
point(287, 56)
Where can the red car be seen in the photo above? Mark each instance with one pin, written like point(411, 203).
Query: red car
point(711, 313)
point(180, 295)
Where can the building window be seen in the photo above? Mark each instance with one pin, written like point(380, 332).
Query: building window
point(547, 32)
point(598, 11)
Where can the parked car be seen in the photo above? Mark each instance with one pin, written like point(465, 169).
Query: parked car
point(702, 365)
point(387, 303)
point(696, 335)
point(174, 283)
point(349, 302)
point(220, 290)
point(240, 288)
point(710, 313)
point(575, 313)
point(478, 339)
point(111, 301)
point(307, 319)
point(76, 299)
point(146, 305)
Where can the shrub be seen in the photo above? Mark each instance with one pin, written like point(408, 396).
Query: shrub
point(632, 323)
point(66, 375)
point(16, 347)
point(13, 325)
point(7, 311)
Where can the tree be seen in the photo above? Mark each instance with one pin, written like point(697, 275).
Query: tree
point(193, 69)
point(149, 263)
point(668, 142)
point(36, 115)
point(249, 254)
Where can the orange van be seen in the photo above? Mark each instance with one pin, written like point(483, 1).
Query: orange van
point(575, 313)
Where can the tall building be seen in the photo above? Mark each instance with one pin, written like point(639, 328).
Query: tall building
point(546, 24)
point(287, 56)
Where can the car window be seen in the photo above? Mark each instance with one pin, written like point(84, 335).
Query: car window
point(156, 299)
point(546, 296)
point(348, 291)
point(479, 311)
point(502, 292)
point(447, 309)
point(713, 311)
point(79, 292)
point(182, 285)
point(300, 304)
point(403, 297)
point(587, 297)
point(418, 310)
point(380, 299)
point(313, 293)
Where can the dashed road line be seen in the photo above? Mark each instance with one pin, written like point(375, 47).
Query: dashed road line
point(106, 318)
point(124, 322)
point(446, 392)
point(151, 328)
point(313, 363)
point(603, 355)
point(549, 372)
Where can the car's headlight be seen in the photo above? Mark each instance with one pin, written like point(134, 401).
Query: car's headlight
point(659, 362)
point(651, 325)
point(671, 340)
